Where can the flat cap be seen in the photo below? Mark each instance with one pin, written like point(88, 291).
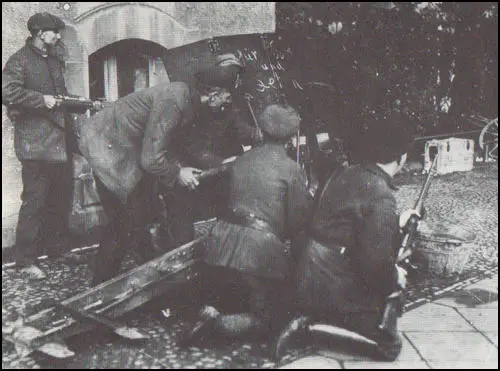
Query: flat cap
point(45, 21)
point(279, 121)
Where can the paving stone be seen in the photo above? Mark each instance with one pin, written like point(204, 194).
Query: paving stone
point(357, 351)
point(313, 362)
point(483, 319)
point(491, 365)
point(493, 336)
point(490, 284)
point(413, 365)
point(469, 298)
point(432, 317)
point(453, 346)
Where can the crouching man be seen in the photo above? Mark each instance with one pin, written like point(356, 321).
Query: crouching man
point(248, 263)
point(347, 270)
point(129, 146)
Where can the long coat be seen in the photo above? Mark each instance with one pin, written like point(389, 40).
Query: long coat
point(264, 182)
point(39, 133)
point(135, 135)
point(358, 212)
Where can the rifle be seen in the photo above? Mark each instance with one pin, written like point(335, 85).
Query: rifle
point(405, 250)
point(394, 303)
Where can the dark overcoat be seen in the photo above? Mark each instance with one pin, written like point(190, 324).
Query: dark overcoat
point(349, 263)
point(135, 135)
point(264, 182)
point(39, 133)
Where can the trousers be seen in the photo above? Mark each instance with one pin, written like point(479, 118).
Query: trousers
point(46, 202)
point(127, 230)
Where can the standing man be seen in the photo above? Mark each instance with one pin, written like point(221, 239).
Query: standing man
point(348, 269)
point(130, 145)
point(30, 80)
point(248, 262)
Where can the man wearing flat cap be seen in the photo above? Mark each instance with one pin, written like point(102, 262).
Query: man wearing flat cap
point(247, 259)
point(31, 78)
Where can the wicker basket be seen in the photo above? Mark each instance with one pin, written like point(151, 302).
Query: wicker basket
point(446, 252)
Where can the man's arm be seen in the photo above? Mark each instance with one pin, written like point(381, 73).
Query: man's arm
point(13, 91)
point(164, 117)
point(378, 240)
point(299, 203)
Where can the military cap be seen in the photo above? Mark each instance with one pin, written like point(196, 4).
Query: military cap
point(279, 121)
point(223, 72)
point(45, 21)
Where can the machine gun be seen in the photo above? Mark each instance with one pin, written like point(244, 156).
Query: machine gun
point(394, 302)
point(79, 103)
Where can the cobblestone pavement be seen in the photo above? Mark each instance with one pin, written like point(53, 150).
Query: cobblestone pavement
point(467, 199)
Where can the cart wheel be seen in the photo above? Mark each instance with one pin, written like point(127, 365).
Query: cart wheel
point(489, 138)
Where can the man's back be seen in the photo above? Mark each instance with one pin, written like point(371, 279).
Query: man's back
point(260, 182)
point(116, 140)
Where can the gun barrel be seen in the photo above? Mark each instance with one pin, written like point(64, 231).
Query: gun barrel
point(423, 193)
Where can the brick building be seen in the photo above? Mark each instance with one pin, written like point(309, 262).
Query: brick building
point(114, 48)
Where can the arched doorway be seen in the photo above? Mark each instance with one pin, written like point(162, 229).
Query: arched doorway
point(125, 66)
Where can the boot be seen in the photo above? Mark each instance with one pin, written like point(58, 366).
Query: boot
point(389, 347)
point(208, 318)
point(299, 325)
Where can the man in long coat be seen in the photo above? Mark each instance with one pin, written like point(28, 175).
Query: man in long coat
point(31, 79)
point(348, 270)
point(248, 262)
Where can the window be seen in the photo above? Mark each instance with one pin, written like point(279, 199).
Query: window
point(124, 67)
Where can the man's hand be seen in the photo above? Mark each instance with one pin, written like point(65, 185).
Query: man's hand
point(49, 101)
point(188, 177)
point(406, 215)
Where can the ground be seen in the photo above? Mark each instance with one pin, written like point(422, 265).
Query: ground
point(468, 200)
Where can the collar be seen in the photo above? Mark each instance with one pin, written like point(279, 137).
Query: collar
point(29, 43)
point(51, 51)
point(372, 168)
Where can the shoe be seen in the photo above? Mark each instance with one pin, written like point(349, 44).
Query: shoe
point(299, 325)
point(202, 328)
point(32, 272)
point(388, 347)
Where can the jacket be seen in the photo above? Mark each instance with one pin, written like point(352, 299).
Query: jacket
point(349, 263)
point(215, 137)
point(39, 133)
point(264, 182)
point(135, 135)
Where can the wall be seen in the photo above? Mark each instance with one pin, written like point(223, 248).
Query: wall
point(92, 25)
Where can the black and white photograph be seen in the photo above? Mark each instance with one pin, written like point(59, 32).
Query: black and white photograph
point(258, 185)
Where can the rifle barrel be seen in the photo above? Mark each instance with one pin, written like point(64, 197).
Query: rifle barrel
point(425, 188)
